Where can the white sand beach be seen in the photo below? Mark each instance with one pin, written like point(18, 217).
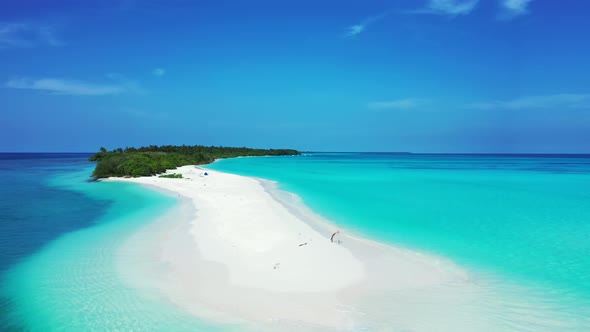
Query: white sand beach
point(238, 250)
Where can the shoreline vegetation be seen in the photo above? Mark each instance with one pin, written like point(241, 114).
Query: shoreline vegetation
point(171, 176)
point(153, 159)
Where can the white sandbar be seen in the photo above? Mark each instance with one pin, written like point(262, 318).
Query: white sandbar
point(236, 250)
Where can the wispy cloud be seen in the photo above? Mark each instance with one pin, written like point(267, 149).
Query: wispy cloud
point(399, 104)
point(513, 8)
point(70, 87)
point(128, 85)
point(561, 101)
point(448, 7)
point(27, 35)
point(356, 29)
point(159, 72)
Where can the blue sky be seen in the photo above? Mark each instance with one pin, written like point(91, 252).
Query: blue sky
point(422, 76)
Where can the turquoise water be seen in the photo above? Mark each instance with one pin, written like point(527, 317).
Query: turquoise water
point(523, 219)
point(515, 220)
point(60, 240)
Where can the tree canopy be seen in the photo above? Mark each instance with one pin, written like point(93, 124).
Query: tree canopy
point(153, 159)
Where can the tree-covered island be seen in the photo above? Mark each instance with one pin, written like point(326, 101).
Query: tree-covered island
point(153, 159)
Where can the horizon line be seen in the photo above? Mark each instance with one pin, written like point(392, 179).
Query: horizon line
point(359, 152)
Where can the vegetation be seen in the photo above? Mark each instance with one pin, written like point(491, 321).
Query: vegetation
point(153, 159)
point(171, 176)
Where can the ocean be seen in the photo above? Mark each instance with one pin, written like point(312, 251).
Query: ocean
point(59, 235)
point(520, 220)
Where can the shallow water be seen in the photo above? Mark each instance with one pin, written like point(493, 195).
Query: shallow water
point(525, 220)
point(520, 225)
point(59, 261)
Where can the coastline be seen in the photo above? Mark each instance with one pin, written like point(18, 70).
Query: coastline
point(237, 250)
point(138, 266)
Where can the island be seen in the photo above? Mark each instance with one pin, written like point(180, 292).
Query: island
point(236, 249)
point(153, 159)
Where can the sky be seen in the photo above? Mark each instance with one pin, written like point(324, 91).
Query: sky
point(480, 76)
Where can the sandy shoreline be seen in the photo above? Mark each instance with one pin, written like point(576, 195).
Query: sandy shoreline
point(238, 250)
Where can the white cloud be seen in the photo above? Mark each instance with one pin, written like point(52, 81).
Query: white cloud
point(400, 104)
point(27, 35)
point(159, 72)
point(451, 7)
point(68, 87)
point(562, 101)
point(356, 29)
point(514, 8)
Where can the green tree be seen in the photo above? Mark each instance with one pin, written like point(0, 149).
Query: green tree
point(152, 160)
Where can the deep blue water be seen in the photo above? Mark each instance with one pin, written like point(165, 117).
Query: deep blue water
point(33, 212)
point(59, 241)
